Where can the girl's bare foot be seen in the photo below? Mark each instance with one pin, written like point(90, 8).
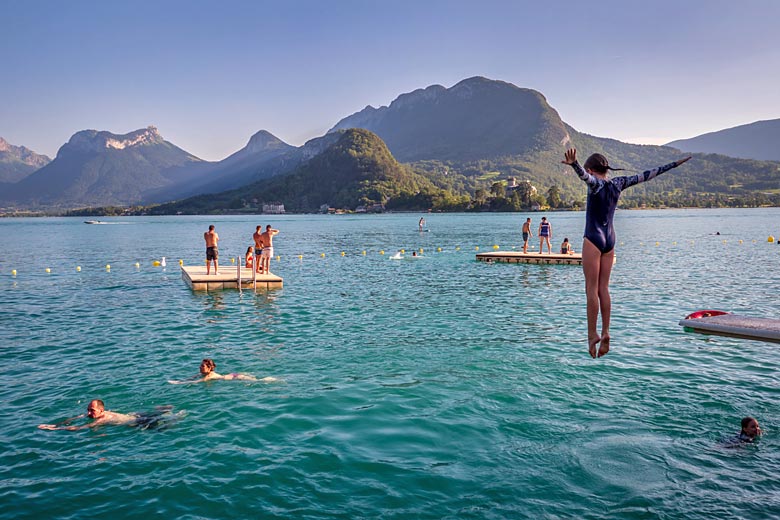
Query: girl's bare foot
point(592, 342)
point(604, 347)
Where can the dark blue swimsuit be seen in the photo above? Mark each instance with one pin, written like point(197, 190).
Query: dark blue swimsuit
point(603, 197)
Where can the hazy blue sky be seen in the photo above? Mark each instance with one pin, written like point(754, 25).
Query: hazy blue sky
point(210, 74)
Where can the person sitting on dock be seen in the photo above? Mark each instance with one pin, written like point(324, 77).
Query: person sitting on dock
point(96, 410)
point(212, 253)
point(268, 248)
point(249, 258)
point(207, 373)
point(566, 247)
point(545, 234)
point(258, 238)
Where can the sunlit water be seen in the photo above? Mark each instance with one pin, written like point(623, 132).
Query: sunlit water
point(439, 387)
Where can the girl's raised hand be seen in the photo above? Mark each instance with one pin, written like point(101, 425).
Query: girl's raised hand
point(571, 156)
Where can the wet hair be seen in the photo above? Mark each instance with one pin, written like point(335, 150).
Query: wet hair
point(599, 164)
point(268, 226)
point(209, 363)
point(746, 422)
point(211, 227)
point(98, 402)
point(565, 239)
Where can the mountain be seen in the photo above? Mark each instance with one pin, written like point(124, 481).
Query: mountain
point(355, 168)
point(100, 168)
point(475, 119)
point(759, 140)
point(255, 161)
point(17, 162)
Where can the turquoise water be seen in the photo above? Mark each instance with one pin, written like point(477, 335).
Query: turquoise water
point(432, 388)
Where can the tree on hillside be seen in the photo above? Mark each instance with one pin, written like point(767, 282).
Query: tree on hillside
point(554, 197)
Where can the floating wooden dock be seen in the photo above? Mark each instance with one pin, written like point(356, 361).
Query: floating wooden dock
point(512, 257)
point(734, 326)
point(228, 278)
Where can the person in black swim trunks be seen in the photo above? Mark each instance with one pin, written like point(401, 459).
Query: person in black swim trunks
point(598, 247)
point(160, 417)
point(212, 253)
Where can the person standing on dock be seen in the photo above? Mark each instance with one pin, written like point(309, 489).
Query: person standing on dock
point(526, 234)
point(258, 238)
point(268, 248)
point(212, 253)
point(545, 234)
point(598, 246)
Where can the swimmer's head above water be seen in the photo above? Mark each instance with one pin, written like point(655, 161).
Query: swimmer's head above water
point(750, 428)
point(95, 409)
point(207, 366)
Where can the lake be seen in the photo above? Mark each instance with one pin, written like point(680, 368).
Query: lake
point(439, 387)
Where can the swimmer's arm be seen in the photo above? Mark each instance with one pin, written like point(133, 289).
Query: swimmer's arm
point(195, 379)
point(62, 425)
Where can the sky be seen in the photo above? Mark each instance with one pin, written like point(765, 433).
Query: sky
point(210, 74)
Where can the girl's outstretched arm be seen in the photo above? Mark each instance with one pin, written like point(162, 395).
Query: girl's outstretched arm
point(648, 174)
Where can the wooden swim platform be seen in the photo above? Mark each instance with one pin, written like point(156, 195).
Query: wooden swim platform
point(198, 280)
point(733, 325)
point(512, 257)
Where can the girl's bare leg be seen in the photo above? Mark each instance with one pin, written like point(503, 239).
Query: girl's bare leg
point(591, 267)
point(605, 301)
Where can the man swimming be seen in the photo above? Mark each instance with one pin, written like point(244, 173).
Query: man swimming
point(96, 410)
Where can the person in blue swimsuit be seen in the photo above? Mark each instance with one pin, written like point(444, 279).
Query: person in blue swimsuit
point(598, 247)
point(545, 234)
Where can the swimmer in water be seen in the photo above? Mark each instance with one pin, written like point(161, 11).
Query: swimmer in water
point(207, 373)
point(750, 430)
point(598, 246)
point(96, 410)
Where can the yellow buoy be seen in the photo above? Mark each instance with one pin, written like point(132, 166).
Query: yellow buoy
point(438, 250)
point(156, 263)
point(403, 251)
point(476, 248)
point(278, 258)
point(78, 268)
point(381, 252)
point(674, 243)
point(495, 246)
point(657, 244)
point(322, 255)
point(343, 253)
point(300, 257)
point(724, 241)
point(108, 267)
point(770, 239)
point(232, 260)
point(181, 262)
point(48, 270)
point(457, 248)
point(422, 250)
point(364, 252)
point(13, 272)
point(137, 265)
point(740, 240)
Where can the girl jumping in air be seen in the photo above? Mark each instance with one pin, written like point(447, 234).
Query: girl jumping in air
point(598, 247)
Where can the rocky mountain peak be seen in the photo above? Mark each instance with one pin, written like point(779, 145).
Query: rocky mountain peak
point(98, 141)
